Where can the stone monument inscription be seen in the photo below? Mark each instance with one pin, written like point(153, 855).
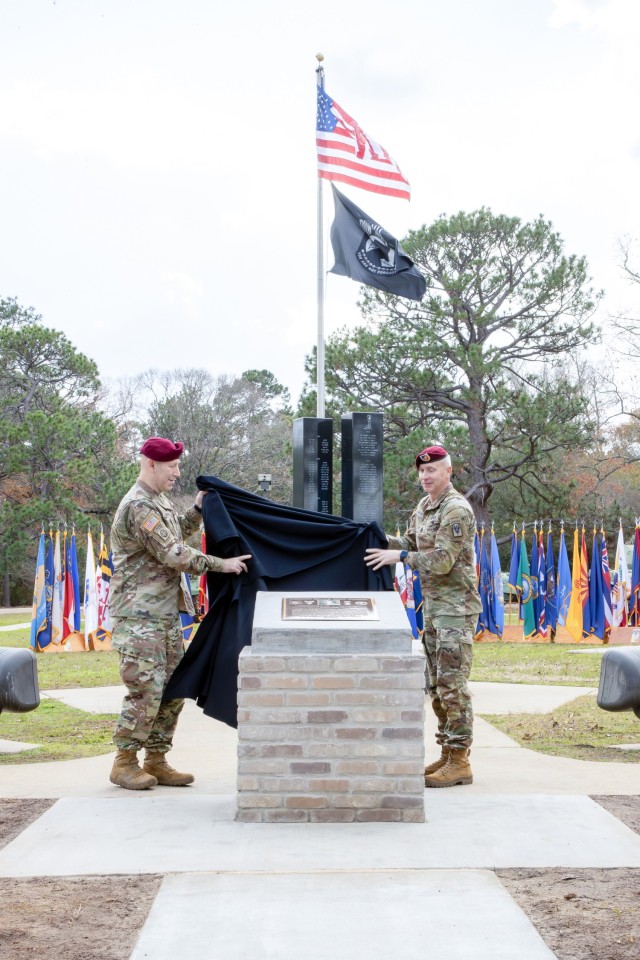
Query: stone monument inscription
point(329, 608)
point(362, 492)
point(313, 464)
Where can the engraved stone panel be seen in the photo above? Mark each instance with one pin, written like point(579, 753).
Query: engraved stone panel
point(362, 494)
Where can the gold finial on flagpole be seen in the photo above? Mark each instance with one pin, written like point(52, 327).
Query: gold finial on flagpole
point(319, 57)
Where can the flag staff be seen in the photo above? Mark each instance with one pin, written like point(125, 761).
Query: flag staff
point(320, 277)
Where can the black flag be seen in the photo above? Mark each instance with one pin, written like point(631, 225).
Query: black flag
point(368, 254)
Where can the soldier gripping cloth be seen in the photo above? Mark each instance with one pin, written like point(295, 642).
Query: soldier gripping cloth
point(438, 542)
point(148, 591)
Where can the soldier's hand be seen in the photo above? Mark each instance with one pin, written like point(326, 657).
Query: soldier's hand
point(236, 564)
point(199, 498)
point(376, 557)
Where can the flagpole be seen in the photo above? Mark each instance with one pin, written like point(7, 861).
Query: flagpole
point(320, 278)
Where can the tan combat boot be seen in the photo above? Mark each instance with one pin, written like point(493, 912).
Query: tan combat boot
point(157, 766)
point(455, 771)
point(440, 762)
point(126, 772)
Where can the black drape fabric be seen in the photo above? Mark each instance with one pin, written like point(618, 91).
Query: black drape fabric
point(291, 549)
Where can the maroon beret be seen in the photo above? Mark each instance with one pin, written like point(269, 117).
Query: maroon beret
point(431, 455)
point(157, 448)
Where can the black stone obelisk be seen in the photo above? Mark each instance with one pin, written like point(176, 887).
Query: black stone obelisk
point(362, 467)
point(313, 464)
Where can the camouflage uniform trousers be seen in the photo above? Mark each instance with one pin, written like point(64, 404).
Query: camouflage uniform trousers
point(150, 649)
point(449, 651)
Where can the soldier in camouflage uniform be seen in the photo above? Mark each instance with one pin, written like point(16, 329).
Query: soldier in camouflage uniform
point(438, 543)
point(148, 591)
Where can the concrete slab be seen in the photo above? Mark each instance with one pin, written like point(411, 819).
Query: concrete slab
point(359, 915)
point(89, 699)
point(523, 697)
point(186, 834)
point(14, 746)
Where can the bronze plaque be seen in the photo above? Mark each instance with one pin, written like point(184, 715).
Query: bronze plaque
point(329, 608)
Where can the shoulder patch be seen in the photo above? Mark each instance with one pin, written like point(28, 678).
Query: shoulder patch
point(456, 528)
point(151, 522)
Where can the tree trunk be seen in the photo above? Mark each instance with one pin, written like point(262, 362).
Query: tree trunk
point(479, 489)
point(6, 589)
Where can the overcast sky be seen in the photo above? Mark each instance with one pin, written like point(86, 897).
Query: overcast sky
point(157, 158)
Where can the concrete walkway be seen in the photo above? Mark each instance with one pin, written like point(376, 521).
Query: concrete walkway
point(234, 891)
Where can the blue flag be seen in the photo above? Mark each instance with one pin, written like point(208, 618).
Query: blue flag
point(541, 599)
point(596, 592)
point(484, 587)
point(44, 637)
point(564, 582)
point(39, 608)
point(496, 595)
point(585, 588)
point(551, 608)
point(187, 620)
point(75, 580)
point(419, 602)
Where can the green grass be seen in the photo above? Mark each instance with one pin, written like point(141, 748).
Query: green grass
point(579, 729)
point(15, 638)
point(550, 664)
point(61, 732)
point(7, 619)
point(64, 671)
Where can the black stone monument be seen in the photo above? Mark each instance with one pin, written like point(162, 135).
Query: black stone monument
point(313, 464)
point(362, 467)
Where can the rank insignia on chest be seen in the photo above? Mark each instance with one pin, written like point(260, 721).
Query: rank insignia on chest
point(151, 523)
point(456, 528)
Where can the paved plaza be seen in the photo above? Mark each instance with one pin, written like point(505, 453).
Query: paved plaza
point(233, 891)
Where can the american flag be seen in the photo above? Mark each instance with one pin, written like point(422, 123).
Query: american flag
point(347, 154)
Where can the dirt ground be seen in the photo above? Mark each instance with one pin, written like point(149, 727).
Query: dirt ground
point(580, 914)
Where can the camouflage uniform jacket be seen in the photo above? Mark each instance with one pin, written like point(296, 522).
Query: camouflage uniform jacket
point(439, 541)
point(149, 556)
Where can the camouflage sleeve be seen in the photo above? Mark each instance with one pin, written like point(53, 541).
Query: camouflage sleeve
point(408, 541)
point(189, 521)
point(450, 541)
point(147, 529)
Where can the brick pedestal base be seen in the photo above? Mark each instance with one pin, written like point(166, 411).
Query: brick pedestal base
point(330, 738)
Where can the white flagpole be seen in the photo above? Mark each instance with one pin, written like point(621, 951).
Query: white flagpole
point(320, 333)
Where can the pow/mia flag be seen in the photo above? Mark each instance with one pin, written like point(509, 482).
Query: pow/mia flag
point(368, 254)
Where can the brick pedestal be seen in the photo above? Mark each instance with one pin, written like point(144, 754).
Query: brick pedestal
point(331, 737)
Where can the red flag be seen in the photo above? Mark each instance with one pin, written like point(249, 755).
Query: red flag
point(347, 154)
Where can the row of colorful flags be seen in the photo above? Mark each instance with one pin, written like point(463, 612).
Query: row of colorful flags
point(58, 610)
point(588, 597)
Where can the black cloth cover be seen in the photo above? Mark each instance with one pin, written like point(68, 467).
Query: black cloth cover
point(291, 549)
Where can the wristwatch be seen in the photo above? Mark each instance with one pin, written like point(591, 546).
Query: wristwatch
point(404, 554)
point(197, 508)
